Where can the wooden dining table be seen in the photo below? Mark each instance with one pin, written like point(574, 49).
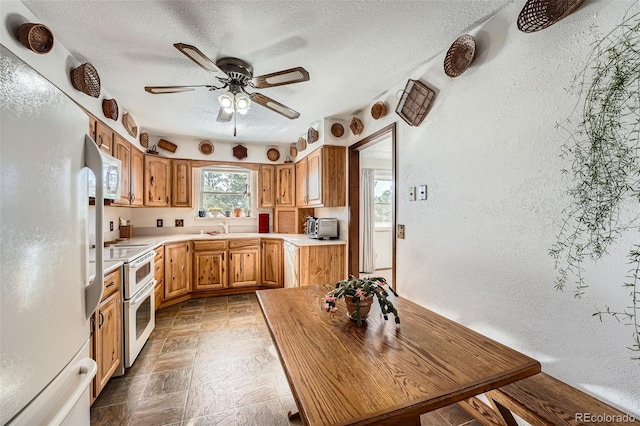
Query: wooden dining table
point(344, 374)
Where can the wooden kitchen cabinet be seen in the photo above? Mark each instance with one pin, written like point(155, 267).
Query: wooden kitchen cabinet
point(92, 127)
point(157, 181)
point(106, 333)
point(322, 264)
point(266, 185)
point(271, 262)
point(104, 137)
point(209, 265)
point(285, 185)
point(181, 183)
point(244, 263)
point(321, 178)
point(122, 151)
point(177, 269)
point(158, 275)
point(137, 177)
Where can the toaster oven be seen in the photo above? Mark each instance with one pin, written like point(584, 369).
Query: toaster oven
point(322, 228)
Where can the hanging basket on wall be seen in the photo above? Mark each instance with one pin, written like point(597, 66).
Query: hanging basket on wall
point(337, 130)
point(167, 145)
point(36, 37)
point(144, 140)
point(460, 55)
point(356, 126)
point(110, 108)
point(536, 15)
point(85, 78)
point(414, 102)
point(130, 125)
point(312, 135)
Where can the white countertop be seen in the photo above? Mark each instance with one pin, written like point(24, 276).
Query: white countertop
point(296, 239)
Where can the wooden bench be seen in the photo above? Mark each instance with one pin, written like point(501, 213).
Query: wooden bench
point(545, 400)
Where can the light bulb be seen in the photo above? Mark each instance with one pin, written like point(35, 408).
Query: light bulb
point(226, 100)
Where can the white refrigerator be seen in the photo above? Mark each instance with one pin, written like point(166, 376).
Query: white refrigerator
point(46, 299)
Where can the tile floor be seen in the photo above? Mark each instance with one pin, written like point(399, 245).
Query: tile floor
point(208, 363)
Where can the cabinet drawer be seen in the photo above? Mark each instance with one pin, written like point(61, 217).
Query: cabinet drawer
point(253, 242)
point(159, 252)
point(209, 245)
point(111, 283)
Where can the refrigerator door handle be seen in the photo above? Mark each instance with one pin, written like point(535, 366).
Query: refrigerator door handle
point(93, 160)
point(87, 372)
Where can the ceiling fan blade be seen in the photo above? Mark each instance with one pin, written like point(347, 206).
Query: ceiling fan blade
point(224, 115)
point(290, 76)
point(274, 106)
point(200, 58)
point(159, 90)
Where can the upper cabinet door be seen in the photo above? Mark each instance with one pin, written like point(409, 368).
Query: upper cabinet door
point(92, 127)
point(157, 181)
point(104, 138)
point(285, 185)
point(314, 178)
point(301, 183)
point(137, 177)
point(266, 181)
point(181, 183)
point(122, 151)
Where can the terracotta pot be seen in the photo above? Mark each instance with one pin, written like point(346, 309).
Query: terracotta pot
point(365, 307)
point(237, 212)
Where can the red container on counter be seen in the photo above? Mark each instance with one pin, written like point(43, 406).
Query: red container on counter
point(263, 223)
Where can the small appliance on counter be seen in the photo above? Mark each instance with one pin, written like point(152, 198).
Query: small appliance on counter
point(263, 223)
point(323, 228)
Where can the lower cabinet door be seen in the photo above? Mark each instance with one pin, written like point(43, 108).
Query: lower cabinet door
point(244, 267)
point(272, 263)
point(209, 270)
point(108, 340)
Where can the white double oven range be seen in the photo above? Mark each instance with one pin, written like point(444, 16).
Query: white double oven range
point(137, 296)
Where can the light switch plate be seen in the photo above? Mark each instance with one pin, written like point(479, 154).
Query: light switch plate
point(422, 192)
point(400, 232)
point(412, 193)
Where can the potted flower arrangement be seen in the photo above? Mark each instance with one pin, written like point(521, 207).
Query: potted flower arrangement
point(358, 295)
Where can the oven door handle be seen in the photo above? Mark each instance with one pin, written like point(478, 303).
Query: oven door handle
point(139, 261)
point(144, 293)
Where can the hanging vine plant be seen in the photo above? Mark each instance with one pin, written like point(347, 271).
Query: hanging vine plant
point(605, 169)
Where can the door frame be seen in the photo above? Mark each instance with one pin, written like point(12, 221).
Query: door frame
point(353, 264)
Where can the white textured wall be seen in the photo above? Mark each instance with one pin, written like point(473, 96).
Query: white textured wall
point(477, 249)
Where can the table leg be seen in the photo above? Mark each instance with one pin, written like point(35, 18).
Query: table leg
point(293, 415)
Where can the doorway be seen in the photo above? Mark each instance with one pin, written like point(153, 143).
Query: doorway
point(372, 205)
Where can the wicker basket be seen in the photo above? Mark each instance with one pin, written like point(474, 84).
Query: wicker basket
point(36, 37)
point(312, 135)
point(293, 150)
point(144, 140)
point(537, 15)
point(169, 146)
point(206, 147)
point(240, 152)
point(273, 154)
point(356, 126)
point(110, 108)
point(126, 231)
point(460, 55)
point(378, 110)
point(129, 124)
point(85, 78)
point(414, 102)
point(302, 144)
point(337, 130)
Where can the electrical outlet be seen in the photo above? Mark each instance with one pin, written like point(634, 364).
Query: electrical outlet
point(159, 223)
point(111, 226)
point(412, 193)
point(422, 192)
point(400, 232)
point(179, 223)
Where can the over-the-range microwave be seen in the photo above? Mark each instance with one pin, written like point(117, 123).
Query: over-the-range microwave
point(112, 170)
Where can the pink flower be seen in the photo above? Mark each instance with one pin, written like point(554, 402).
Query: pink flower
point(360, 294)
point(334, 309)
point(326, 307)
point(329, 299)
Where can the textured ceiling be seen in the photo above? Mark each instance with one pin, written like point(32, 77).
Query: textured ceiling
point(354, 51)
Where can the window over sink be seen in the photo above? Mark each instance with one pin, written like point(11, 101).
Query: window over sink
point(225, 191)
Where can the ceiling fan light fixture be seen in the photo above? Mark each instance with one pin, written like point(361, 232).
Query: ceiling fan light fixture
point(243, 102)
point(226, 100)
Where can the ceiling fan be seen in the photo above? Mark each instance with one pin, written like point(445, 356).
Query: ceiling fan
point(236, 75)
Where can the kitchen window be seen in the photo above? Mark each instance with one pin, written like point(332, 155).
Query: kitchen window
point(223, 189)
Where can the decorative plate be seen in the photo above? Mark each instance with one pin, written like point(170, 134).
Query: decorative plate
point(337, 130)
point(206, 147)
point(273, 154)
point(460, 55)
point(240, 152)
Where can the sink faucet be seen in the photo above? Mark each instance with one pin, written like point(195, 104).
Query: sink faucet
point(224, 226)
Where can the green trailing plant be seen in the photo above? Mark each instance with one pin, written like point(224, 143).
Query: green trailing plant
point(605, 168)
